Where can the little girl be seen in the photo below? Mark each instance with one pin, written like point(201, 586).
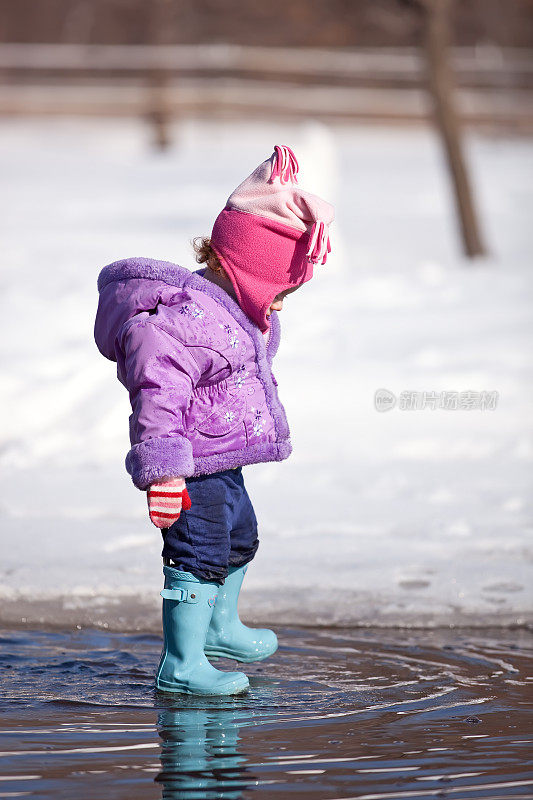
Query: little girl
point(195, 350)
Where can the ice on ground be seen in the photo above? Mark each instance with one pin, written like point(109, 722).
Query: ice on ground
point(400, 517)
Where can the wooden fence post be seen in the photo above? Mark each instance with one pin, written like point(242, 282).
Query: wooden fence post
point(159, 112)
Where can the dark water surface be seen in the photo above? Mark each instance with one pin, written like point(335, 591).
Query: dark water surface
point(334, 714)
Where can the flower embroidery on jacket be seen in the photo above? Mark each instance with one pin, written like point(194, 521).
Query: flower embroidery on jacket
point(233, 339)
point(229, 416)
point(192, 310)
point(239, 376)
point(258, 421)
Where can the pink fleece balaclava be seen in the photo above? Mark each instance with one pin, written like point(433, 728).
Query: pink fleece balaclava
point(270, 234)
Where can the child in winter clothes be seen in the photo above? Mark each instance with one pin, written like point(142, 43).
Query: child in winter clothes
point(195, 350)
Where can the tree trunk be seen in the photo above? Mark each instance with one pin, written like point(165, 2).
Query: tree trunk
point(441, 85)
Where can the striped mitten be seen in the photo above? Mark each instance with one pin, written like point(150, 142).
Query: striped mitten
point(165, 501)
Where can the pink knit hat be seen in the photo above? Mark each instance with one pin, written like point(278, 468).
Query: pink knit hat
point(270, 234)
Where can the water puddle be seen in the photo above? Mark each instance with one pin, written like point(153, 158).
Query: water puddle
point(367, 714)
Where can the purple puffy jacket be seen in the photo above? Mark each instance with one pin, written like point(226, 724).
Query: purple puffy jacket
point(197, 369)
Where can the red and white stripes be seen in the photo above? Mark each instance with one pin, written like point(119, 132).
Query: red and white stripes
point(166, 500)
point(285, 164)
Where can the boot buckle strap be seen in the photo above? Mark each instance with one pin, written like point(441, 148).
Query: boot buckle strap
point(181, 595)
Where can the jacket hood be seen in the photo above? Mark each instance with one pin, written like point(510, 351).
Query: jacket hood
point(133, 285)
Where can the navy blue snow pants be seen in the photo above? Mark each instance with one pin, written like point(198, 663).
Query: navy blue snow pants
point(219, 531)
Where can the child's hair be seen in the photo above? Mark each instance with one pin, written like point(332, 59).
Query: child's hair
point(206, 255)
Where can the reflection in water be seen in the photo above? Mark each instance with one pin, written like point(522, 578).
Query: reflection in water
point(199, 753)
point(379, 714)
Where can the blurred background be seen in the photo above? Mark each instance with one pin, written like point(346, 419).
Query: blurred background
point(125, 125)
point(353, 60)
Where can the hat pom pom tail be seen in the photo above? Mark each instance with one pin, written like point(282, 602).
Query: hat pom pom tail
point(319, 244)
point(285, 165)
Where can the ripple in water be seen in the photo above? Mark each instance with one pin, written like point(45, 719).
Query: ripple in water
point(334, 714)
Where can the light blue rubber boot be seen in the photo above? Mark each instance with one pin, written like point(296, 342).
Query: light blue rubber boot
point(188, 605)
point(227, 636)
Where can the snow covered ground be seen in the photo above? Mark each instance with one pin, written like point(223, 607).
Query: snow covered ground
point(402, 517)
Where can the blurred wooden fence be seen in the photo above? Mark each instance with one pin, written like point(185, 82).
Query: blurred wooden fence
point(494, 85)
